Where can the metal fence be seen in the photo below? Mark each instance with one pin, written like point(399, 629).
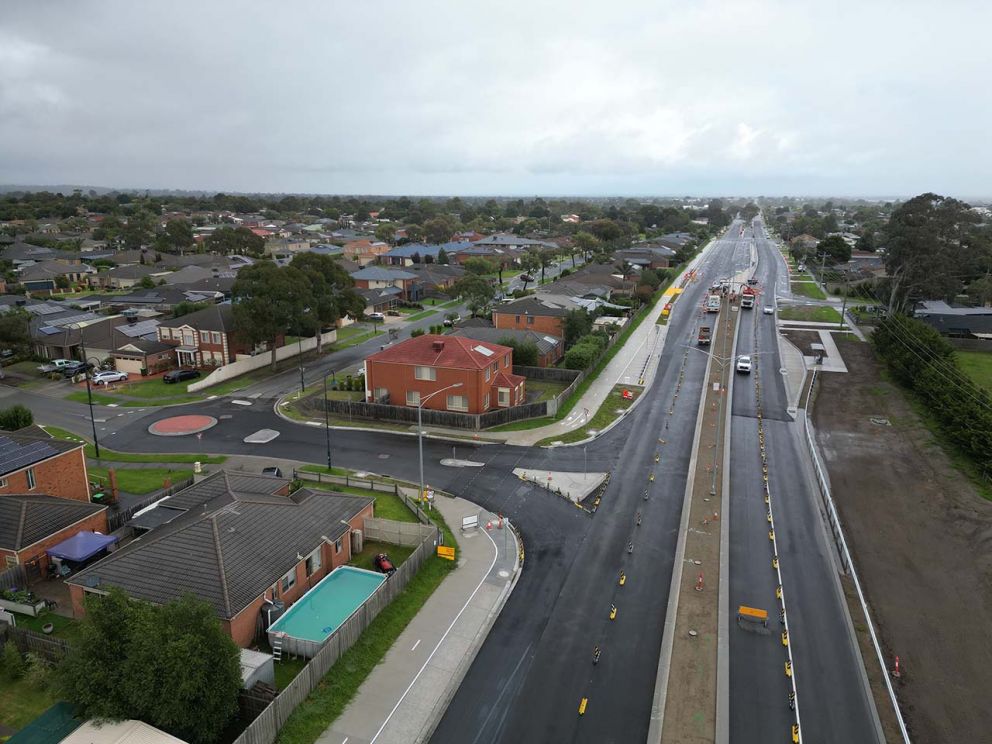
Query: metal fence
point(845, 555)
point(265, 728)
point(15, 577)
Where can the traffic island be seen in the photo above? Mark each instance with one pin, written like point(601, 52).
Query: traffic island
point(686, 701)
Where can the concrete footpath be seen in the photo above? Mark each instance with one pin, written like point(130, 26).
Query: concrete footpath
point(404, 697)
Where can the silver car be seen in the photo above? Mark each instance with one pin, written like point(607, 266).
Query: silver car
point(105, 378)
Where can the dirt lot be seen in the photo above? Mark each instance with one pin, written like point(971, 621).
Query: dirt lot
point(921, 536)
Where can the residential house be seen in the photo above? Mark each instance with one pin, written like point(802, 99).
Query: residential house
point(142, 356)
point(436, 279)
point(205, 337)
point(544, 314)
point(126, 277)
point(412, 370)
point(956, 322)
point(379, 300)
point(411, 254)
point(282, 247)
point(377, 277)
point(32, 462)
point(650, 255)
point(804, 242)
point(237, 541)
point(550, 349)
point(24, 254)
point(66, 336)
point(365, 250)
point(32, 523)
point(46, 277)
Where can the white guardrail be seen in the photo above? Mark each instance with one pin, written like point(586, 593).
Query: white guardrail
point(845, 555)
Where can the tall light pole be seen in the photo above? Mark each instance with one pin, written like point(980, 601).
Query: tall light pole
point(327, 426)
point(420, 433)
point(89, 391)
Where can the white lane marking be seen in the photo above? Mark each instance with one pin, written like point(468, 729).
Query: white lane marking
point(344, 740)
point(443, 637)
point(415, 645)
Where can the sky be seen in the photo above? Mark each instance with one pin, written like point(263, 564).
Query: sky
point(640, 98)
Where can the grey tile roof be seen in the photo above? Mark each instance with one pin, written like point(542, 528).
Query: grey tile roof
point(19, 451)
point(544, 343)
point(227, 549)
point(377, 273)
point(28, 518)
point(213, 318)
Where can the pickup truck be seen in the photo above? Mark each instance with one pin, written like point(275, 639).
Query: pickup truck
point(55, 365)
point(713, 303)
point(705, 333)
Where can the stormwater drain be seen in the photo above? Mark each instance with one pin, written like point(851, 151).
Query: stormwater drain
point(880, 421)
point(504, 574)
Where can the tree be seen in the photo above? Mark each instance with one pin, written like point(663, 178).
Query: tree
point(138, 230)
point(980, 291)
point(239, 240)
point(270, 301)
point(15, 331)
point(15, 417)
point(439, 229)
point(867, 242)
point(442, 257)
point(524, 352)
point(171, 666)
point(178, 235)
point(146, 282)
point(835, 248)
point(585, 242)
point(650, 278)
point(331, 288)
point(476, 291)
point(479, 266)
point(605, 230)
point(577, 324)
point(385, 232)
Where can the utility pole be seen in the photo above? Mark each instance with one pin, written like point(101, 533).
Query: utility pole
point(89, 391)
point(327, 426)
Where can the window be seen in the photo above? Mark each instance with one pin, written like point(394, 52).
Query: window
point(457, 403)
point(485, 402)
point(488, 374)
point(288, 581)
point(504, 397)
point(10, 560)
point(337, 545)
point(495, 367)
point(518, 319)
point(425, 373)
point(166, 332)
point(530, 320)
point(506, 361)
point(3, 482)
point(313, 562)
point(413, 397)
point(189, 339)
point(217, 337)
point(31, 481)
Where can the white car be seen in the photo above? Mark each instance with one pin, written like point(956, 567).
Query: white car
point(744, 364)
point(768, 310)
point(105, 378)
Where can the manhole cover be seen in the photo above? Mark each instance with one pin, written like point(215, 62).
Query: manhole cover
point(878, 421)
point(383, 456)
point(693, 634)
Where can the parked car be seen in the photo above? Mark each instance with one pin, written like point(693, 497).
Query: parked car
point(394, 313)
point(55, 365)
point(272, 470)
point(450, 319)
point(383, 564)
point(377, 317)
point(178, 375)
point(75, 368)
point(105, 378)
point(526, 278)
point(744, 364)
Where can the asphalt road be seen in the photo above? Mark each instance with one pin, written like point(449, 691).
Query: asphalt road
point(833, 701)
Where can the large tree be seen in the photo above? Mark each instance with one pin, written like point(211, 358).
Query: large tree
point(170, 666)
point(477, 292)
point(332, 290)
point(270, 301)
point(15, 331)
point(178, 236)
point(833, 249)
point(240, 240)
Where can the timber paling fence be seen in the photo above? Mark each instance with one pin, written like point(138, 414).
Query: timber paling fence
point(845, 555)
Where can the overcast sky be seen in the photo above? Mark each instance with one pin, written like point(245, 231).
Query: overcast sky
point(835, 97)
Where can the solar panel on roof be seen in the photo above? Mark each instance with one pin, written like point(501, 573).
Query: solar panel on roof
point(14, 456)
point(49, 330)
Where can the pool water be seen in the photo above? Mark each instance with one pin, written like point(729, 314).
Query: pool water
point(325, 607)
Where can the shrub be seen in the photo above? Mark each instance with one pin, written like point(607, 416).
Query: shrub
point(14, 665)
point(38, 672)
point(16, 417)
point(417, 332)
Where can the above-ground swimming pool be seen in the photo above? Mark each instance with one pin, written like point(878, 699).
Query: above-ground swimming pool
point(324, 608)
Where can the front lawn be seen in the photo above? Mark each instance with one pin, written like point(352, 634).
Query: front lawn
point(978, 366)
point(371, 548)
point(819, 313)
point(546, 389)
point(609, 411)
point(808, 289)
point(141, 480)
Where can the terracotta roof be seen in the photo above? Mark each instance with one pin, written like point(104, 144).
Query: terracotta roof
point(508, 380)
point(451, 352)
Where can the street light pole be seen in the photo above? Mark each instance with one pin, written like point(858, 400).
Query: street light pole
point(327, 426)
point(420, 433)
point(89, 391)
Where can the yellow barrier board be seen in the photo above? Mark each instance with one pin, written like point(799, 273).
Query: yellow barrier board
point(446, 551)
point(752, 612)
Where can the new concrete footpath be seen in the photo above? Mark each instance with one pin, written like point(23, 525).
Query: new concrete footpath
point(405, 696)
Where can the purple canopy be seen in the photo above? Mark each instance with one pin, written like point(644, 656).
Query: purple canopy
point(81, 546)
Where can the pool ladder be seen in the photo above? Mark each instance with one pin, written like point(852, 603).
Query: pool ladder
point(277, 647)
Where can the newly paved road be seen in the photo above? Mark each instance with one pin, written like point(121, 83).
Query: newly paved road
point(833, 702)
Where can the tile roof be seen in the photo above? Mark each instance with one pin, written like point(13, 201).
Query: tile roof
point(378, 273)
point(537, 305)
point(543, 342)
point(450, 352)
point(227, 548)
point(213, 318)
point(19, 451)
point(28, 518)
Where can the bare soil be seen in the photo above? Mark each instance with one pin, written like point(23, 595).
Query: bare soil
point(921, 537)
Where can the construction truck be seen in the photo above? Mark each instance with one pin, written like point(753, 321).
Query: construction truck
point(747, 298)
point(705, 334)
point(713, 303)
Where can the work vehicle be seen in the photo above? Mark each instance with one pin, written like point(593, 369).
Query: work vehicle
point(75, 368)
point(55, 365)
point(705, 334)
point(178, 375)
point(747, 298)
point(109, 376)
point(744, 364)
point(713, 303)
point(383, 564)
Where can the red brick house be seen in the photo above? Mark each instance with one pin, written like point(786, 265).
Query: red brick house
point(238, 541)
point(31, 462)
point(205, 338)
point(410, 371)
point(30, 524)
point(537, 313)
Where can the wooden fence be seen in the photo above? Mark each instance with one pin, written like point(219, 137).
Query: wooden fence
point(15, 577)
point(117, 518)
point(369, 484)
point(265, 728)
point(28, 641)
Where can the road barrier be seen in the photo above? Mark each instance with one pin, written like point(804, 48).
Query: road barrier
point(845, 555)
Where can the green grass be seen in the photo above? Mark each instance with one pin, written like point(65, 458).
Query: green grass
point(371, 548)
point(608, 412)
point(387, 505)
point(352, 339)
point(141, 480)
point(807, 289)
point(821, 314)
point(548, 389)
point(978, 366)
point(66, 628)
point(421, 316)
point(108, 454)
point(20, 703)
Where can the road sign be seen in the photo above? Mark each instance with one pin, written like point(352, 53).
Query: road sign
point(445, 551)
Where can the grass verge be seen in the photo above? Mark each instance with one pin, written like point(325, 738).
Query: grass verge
point(108, 454)
point(809, 313)
point(611, 409)
point(387, 505)
point(978, 366)
point(421, 315)
point(807, 289)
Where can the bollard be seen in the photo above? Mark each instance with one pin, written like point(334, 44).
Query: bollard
point(792, 699)
point(582, 706)
point(613, 612)
point(785, 637)
point(771, 535)
point(788, 669)
point(775, 562)
point(778, 592)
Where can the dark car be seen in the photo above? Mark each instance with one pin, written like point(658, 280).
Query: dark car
point(272, 471)
point(526, 278)
point(383, 564)
point(178, 375)
point(76, 368)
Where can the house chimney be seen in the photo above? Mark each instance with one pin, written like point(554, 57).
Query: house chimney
point(438, 346)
